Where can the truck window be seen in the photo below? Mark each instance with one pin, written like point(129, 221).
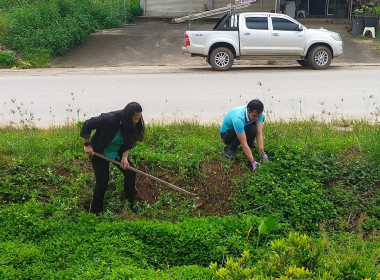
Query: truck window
point(257, 23)
point(284, 24)
point(228, 22)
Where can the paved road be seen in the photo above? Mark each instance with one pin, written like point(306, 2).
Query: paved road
point(54, 96)
point(142, 61)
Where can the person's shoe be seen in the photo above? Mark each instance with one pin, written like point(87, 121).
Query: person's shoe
point(228, 152)
point(135, 209)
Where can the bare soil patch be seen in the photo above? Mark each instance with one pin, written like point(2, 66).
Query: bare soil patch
point(214, 189)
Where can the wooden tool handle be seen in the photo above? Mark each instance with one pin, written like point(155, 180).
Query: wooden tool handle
point(147, 175)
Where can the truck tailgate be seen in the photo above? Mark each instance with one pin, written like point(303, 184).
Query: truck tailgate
point(202, 40)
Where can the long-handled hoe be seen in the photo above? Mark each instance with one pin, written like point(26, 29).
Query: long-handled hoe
point(147, 175)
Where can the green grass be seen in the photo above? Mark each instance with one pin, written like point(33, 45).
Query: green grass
point(33, 32)
point(376, 43)
point(322, 180)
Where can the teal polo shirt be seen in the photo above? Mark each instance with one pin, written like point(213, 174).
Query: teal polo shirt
point(236, 119)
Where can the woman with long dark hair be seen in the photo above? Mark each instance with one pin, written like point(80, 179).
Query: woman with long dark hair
point(116, 133)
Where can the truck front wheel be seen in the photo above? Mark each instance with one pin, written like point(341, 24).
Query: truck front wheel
point(221, 59)
point(319, 57)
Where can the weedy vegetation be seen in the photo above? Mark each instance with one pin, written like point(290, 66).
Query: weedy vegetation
point(312, 212)
point(33, 32)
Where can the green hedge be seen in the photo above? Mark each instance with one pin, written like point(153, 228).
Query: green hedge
point(39, 30)
point(45, 239)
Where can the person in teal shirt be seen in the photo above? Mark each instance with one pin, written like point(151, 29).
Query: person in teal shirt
point(241, 126)
point(116, 133)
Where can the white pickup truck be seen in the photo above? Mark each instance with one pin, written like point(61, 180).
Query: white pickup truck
point(262, 36)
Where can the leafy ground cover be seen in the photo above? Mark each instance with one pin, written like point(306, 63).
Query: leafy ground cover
point(32, 32)
point(321, 189)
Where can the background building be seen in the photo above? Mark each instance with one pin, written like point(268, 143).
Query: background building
point(309, 8)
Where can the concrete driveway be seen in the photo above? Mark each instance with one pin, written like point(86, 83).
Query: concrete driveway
point(155, 42)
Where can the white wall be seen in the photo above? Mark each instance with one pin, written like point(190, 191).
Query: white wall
point(184, 7)
point(172, 7)
point(258, 6)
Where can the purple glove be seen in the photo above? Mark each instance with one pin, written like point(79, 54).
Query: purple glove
point(265, 158)
point(255, 165)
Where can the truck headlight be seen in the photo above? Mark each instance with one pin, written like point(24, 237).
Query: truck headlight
point(336, 37)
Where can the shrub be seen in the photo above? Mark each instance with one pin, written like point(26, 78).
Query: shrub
point(301, 257)
point(233, 270)
point(7, 59)
point(40, 30)
point(291, 187)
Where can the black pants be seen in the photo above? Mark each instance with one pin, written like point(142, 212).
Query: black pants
point(102, 175)
point(230, 138)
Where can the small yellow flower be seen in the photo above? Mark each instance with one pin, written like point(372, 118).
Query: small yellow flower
point(237, 230)
point(278, 159)
point(317, 225)
point(158, 270)
point(313, 189)
point(296, 175)
point(288, 174)
point(104, 263)
point(272, 183)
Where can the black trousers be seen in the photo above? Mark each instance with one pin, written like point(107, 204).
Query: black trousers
point(231, 140)
point(102, 174)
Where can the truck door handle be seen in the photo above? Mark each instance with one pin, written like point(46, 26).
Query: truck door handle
point(247, 33)
point(199, 34)
point(276, 34)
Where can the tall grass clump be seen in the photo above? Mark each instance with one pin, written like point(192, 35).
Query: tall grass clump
point(39, 30)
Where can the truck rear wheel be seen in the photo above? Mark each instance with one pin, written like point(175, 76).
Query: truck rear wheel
point(221, 59)
point(319, 57)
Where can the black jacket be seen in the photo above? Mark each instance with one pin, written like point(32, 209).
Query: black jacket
point(106, 126)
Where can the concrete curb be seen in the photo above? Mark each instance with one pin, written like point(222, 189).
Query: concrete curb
point(164, 69)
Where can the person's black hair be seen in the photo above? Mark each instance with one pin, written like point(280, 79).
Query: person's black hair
point(131, 132)
point(255, 105)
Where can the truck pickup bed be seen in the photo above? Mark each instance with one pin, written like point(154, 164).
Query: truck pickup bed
point(262, 36)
